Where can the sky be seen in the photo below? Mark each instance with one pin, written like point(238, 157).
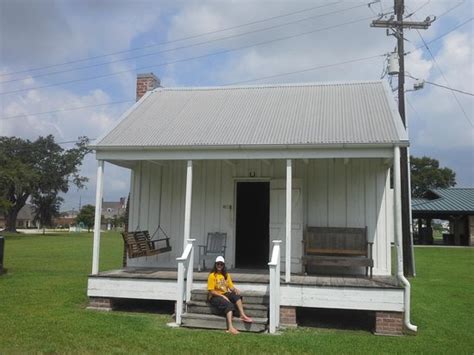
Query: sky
point(58, 55)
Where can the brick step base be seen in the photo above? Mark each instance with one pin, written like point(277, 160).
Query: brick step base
point(388, 323)
point(100, 303)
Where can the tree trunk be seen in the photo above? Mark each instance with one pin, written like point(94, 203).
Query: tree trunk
point(12, 215)
point(11, 220)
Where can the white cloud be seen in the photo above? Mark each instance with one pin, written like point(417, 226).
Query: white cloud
point(443, 123)
point(89, 28)
point(417, 66)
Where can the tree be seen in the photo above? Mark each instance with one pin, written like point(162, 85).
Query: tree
point(86, 215)
point(4, 205)
point(426, 174)
point(46, 207)
point(38, 167)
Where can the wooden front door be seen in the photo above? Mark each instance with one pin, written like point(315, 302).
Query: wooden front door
point(278, 221)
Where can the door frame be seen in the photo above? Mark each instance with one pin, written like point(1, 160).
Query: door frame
point(235, 181)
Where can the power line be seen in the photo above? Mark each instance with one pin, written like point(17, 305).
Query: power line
point(425, 44)
point(57, 143)
point(173, 41)
point(441, 36)
point(446, 80)
point(418, 9)
point(449, 88)
point(67, 109)
point(442, 86)
point(189, 58)
point(306, 70)
point(414, 110)
point(186, 46)
point(451, 8)
point(74, 141)
point(240, 82)
point(438, 17)
point(234, 83)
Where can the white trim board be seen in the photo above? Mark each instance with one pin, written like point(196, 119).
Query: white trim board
point(357, 298)
point(231, 154)
point(156, 289)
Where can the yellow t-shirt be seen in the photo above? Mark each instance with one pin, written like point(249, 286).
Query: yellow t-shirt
point(216, 282)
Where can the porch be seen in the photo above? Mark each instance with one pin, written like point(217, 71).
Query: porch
point(379, 294)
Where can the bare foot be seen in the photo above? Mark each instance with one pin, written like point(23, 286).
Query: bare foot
point(246, 319)
point(232, 331)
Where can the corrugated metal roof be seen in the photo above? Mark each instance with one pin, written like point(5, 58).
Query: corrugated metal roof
point(449, 200)
point(296, 114)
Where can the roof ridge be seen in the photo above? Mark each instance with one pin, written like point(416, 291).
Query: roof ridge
point(267, 86)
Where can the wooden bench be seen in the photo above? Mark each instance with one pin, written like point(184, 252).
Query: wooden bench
point(139, 243)
point(335, 246)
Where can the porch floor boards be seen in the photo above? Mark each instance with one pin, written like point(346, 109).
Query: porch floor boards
point(257, 276)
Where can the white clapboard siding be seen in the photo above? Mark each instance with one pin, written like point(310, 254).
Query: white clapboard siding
point(352, 194)
point(333, 193)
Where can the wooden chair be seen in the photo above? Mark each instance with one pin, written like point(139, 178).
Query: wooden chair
point(216, 245)
point(139, 243)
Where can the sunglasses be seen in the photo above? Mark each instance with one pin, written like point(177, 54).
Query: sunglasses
point(219, 263)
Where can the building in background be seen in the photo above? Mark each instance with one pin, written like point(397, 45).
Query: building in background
point(66, 219)
point(453, 205)
point(24, 220)
point(112, 213)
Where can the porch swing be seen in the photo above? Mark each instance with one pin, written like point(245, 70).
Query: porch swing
point(139, 243)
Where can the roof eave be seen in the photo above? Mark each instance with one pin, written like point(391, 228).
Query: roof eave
point(254, 146)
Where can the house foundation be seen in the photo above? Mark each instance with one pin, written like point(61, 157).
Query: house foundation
point(288, 316)
point(388, 323)
point(100, 303)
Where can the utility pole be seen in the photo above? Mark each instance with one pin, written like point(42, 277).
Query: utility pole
point(397, 26)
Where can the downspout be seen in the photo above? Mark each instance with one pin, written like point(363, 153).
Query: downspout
point(398, 237)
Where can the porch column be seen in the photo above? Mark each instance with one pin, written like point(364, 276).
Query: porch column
point(288, 221)
point(187, 206)
point(98, 210)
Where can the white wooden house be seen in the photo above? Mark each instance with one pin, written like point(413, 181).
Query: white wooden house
point(295, 155)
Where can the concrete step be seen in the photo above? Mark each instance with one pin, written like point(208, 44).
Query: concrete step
point(249, 297)
point(252, 310)
point(210, 321)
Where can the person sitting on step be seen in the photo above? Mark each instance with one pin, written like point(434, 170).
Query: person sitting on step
point(223, 295)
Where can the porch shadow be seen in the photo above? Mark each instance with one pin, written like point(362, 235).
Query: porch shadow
point(337, 319)
point(143, 306)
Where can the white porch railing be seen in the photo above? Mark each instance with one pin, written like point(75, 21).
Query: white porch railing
point(274, 266)
point(185, 271)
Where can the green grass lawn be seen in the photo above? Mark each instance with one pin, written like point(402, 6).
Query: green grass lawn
point(43, 299)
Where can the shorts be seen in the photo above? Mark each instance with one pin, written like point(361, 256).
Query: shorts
point(224, 306)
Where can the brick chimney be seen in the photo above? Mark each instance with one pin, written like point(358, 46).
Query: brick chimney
point(146, 82)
